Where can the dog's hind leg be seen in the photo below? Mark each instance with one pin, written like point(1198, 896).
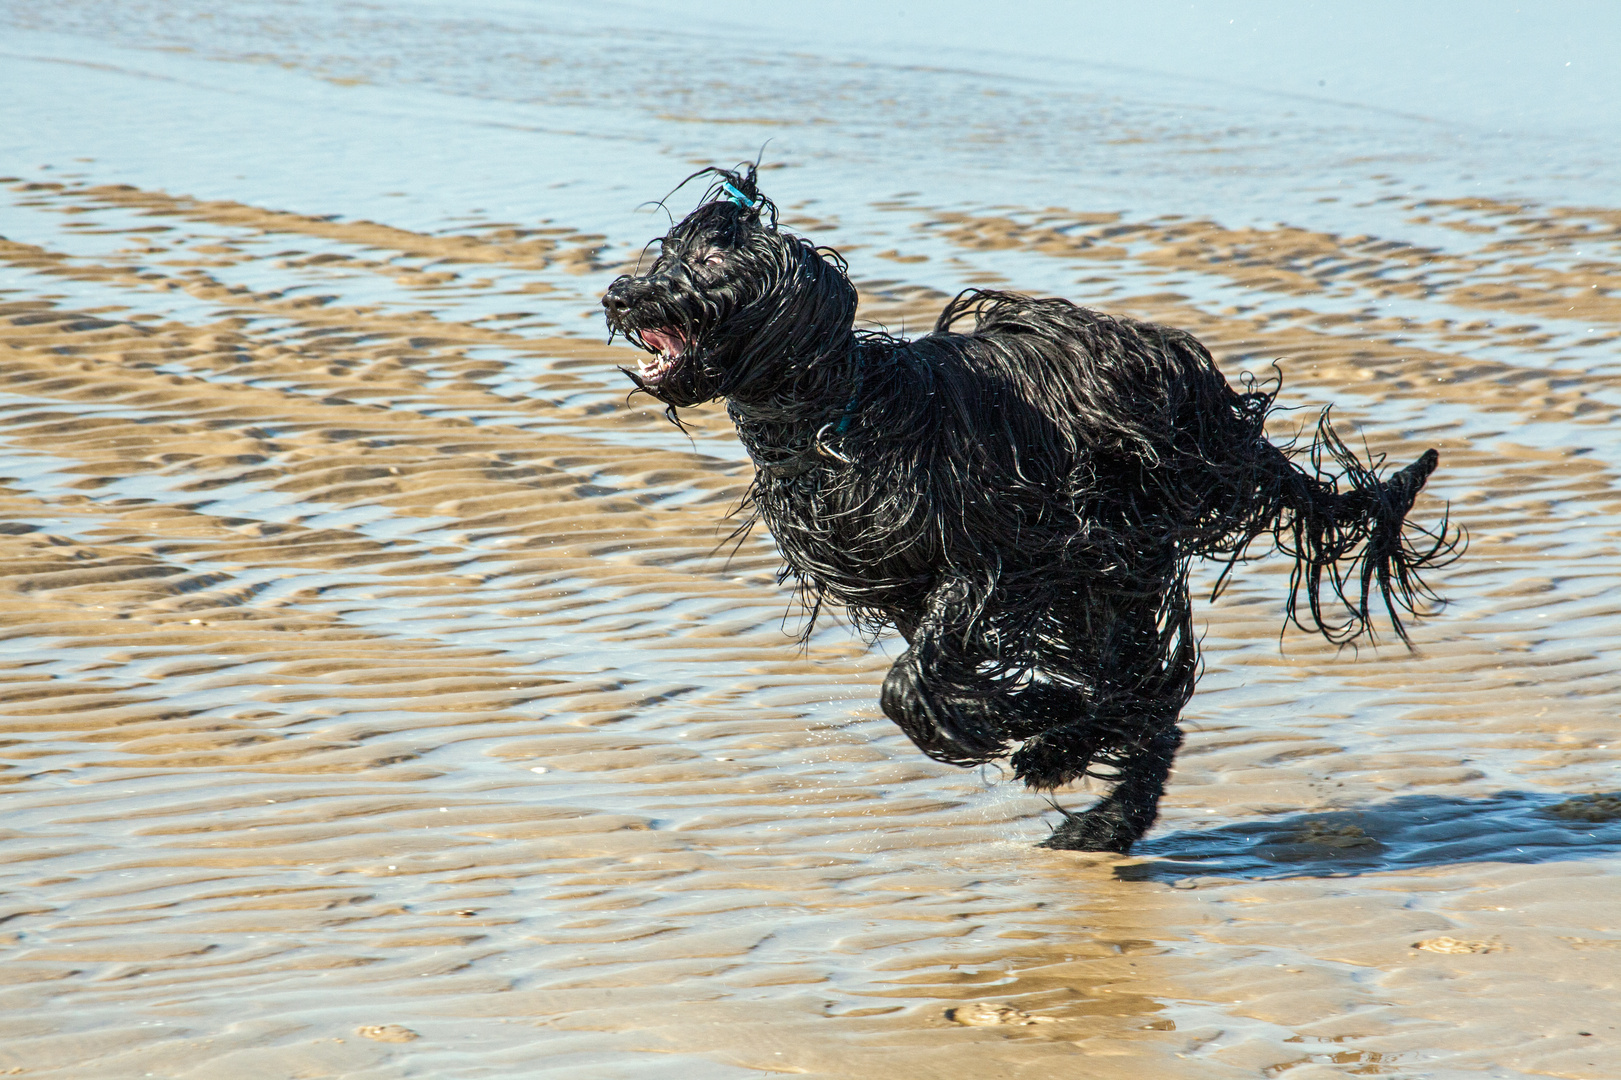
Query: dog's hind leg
point(1146, 675)
point(929, 691)
point(1120, 819)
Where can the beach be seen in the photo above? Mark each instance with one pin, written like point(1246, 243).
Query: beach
point(380, 694)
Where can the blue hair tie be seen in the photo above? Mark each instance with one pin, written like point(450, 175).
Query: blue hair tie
point(736, 196)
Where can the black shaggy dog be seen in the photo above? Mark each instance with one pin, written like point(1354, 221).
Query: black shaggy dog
point(1021, 501)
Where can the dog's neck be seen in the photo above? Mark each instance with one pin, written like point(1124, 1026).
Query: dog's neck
point(817, 399)
point(790, 380)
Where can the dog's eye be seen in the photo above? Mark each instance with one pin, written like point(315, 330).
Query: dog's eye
point(714, 258)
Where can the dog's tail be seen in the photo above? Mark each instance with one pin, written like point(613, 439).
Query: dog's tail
point(1350, 538)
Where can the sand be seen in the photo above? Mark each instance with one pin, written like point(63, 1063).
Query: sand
point(375, 702)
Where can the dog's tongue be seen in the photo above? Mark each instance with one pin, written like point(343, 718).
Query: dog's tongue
point(667, 342)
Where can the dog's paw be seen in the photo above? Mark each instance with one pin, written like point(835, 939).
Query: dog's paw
point(1103, 828)
point(1055, 758)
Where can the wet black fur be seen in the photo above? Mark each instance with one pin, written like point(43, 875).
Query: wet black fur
point(1021, 501)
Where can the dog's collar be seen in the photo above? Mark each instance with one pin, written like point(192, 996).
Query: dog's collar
point(799, 462)
point(819, 443)
point(855, 398)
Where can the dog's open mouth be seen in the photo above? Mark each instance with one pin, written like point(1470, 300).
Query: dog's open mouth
point(666, 347)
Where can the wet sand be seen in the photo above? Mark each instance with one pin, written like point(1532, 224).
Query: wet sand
point(375, 702)
point(369, 666)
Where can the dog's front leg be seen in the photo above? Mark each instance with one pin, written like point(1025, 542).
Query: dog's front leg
point(929, 690)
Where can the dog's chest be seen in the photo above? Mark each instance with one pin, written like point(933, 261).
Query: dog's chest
point(855, 526)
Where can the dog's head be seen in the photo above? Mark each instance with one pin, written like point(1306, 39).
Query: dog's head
point(732, 305)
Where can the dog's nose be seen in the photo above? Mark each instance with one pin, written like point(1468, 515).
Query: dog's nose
point(615, 303)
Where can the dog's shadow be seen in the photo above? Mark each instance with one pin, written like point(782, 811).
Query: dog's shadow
point(1407, 832)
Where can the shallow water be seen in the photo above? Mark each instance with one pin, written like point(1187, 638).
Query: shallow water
point(369, 659)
